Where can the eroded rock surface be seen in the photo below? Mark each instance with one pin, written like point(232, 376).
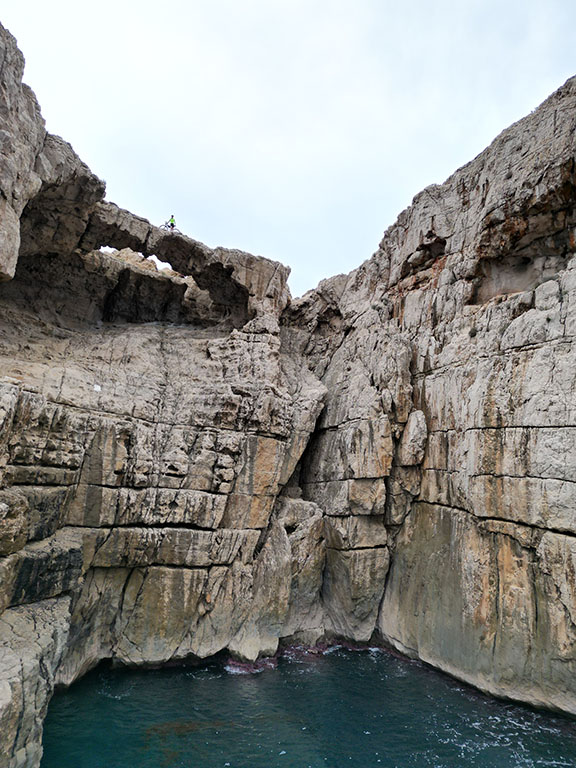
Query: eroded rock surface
point(192, 462)
point(449, 363)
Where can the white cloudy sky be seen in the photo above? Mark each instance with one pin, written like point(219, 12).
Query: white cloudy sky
point(294, 129)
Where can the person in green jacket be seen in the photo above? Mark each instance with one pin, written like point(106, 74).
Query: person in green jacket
point(172, 222)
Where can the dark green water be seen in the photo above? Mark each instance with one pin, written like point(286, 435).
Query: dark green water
point(341, 709)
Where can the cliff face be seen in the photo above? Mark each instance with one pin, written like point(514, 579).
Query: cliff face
point(453, 350)
point(191, 462)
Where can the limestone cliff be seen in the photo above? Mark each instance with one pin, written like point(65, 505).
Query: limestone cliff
point(192, 462)
point(452, 349)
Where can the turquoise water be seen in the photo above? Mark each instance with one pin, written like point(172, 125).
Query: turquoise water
point(338, 709)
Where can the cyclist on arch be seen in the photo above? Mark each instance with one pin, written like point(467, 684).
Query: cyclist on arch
point(172, 222)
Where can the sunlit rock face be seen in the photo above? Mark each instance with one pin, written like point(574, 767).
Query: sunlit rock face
point(191, 462)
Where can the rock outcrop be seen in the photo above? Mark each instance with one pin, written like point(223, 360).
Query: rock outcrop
point(192, 462)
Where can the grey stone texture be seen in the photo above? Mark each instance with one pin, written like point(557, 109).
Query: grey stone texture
point(191, 461)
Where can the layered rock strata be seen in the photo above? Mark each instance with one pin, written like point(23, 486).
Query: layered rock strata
point(192, 462)
point(452, 349)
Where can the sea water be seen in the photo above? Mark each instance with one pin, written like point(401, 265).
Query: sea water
point(331, 709)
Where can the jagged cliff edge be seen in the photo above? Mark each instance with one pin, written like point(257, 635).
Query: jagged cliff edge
point(191, 462)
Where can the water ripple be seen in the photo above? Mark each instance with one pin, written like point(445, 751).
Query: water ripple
point(333, 708)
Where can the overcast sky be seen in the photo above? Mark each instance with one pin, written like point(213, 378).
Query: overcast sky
point(293, 129)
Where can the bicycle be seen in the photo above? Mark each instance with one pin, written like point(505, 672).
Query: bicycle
point(167, 228)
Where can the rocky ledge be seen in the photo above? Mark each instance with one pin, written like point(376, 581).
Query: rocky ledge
point(190, 461)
